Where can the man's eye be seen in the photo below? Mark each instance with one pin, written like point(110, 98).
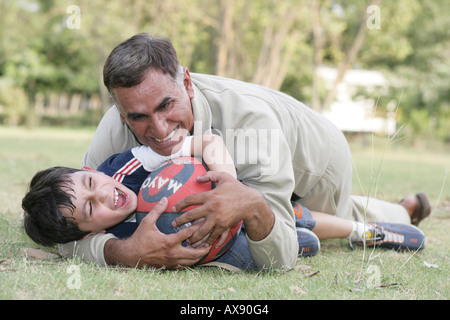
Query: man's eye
point(166, 105)
point(90, 182)
point(137, 118)
point(90, 209)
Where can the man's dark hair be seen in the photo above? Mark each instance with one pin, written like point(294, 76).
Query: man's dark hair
point(48, 194)
point(129, 62)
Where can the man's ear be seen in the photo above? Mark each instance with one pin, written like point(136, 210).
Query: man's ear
point(188, 83)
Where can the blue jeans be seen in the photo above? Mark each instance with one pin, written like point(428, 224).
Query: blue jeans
point(239, 253)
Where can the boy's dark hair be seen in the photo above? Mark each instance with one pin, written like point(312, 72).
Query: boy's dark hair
point(129, 62)
point(43, 220)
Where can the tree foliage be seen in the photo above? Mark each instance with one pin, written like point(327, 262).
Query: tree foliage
point(276, 43)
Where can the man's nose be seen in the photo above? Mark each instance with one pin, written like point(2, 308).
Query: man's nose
point(159, 128)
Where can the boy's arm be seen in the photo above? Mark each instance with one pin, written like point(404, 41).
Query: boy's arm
point(214, 152)
point(210, 147)
point(152, 160)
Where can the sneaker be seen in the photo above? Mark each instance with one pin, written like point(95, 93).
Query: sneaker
point(308, 243)
point(392, 236)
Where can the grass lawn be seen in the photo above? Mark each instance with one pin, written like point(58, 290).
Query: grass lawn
point(387, 171)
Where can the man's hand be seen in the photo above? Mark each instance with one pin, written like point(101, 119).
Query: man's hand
point(223, 207)
point(149, 247)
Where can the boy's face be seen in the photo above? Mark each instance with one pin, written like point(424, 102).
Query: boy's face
point(100, 201)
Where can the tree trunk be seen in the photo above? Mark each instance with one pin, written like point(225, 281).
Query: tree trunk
point(350, 57)
point(318, 53)
point(226, 36)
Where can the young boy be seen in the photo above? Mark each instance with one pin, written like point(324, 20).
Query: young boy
point(66, 204)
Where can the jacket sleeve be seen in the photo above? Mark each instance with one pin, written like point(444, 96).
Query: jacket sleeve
point(270, 173)
point(255, 130)
point(90, 249)
point(279, 250)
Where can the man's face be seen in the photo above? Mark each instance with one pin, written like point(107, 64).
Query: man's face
point(100, 201)
point(158, 111)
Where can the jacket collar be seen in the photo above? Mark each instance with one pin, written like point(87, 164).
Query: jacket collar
point(202, 112)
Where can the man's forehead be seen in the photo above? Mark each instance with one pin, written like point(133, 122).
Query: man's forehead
point(132, 100)
point(153, 83)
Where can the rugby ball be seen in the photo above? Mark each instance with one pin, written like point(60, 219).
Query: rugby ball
point(176, 179)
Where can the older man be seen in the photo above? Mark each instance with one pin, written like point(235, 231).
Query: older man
point(280, 148)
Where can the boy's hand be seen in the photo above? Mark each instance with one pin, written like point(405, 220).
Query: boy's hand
point(149, 247)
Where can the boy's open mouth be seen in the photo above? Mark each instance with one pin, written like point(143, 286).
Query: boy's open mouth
point(120, 198)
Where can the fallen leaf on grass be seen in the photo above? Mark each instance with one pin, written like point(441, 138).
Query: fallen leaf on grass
point(388, 285)
point(297, 290)
point(313, 274)
point(304, 268)
point(430, 265)
point(38, 254)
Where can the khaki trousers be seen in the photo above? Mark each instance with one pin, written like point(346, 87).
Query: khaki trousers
point(332, 194)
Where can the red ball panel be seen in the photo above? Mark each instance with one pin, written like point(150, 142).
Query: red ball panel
point(174, 180)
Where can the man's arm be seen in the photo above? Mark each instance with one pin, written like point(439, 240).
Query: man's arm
point(272, 241)
point(129, 253)
point(146, 247)
point(166, 250)
point(262, 200)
